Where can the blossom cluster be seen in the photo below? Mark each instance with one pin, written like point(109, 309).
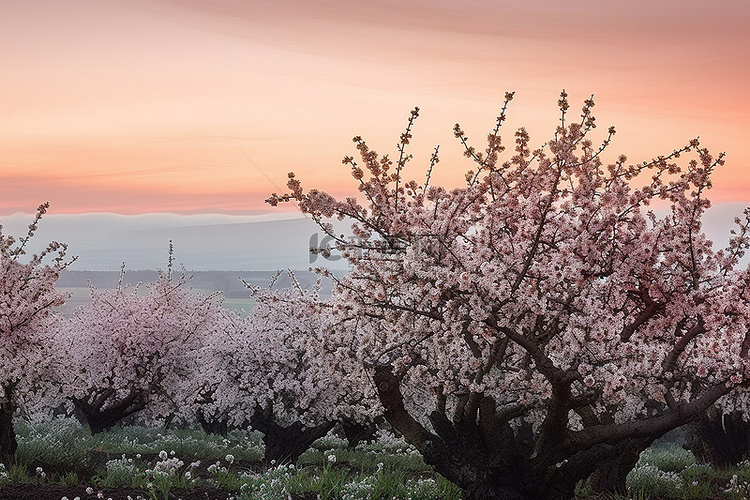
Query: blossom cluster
point(27, 299)
point(138, 346)
point(304, 365)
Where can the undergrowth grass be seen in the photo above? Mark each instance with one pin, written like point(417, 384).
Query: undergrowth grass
point(158, 461)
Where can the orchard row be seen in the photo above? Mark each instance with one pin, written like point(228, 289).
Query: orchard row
point(537, 326)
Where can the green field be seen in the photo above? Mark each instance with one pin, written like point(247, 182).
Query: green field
point(165, 464)
point(80, 295)
point(160, 464)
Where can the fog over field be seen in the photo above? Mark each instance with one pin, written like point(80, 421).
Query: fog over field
point(103, 242)
point(268, 242)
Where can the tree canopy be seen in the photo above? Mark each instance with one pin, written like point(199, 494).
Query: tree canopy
point(546, 291)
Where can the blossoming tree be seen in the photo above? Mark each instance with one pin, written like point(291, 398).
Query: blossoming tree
point(558, 325)
point(132, 351)
point(288, 369)
point(27, 298)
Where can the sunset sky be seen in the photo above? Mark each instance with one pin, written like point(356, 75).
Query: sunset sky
point(198, 107)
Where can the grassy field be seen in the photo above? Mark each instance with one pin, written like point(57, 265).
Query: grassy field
point(168, 464)
point(80, 295)
point(154, 463)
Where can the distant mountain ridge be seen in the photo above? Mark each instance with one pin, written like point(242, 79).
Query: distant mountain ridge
point(214, 242)
point(205, 242)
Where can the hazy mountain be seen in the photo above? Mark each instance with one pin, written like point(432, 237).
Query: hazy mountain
point(103, 242)
point(221, 242)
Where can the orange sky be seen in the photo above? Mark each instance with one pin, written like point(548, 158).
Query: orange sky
point(195, 106)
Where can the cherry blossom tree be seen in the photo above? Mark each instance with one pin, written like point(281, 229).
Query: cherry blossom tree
point(288, 369)
point(27, 299)
point(134, 350)
point(556, 322)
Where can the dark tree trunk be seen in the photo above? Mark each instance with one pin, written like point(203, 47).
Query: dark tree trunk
point(609, 476)
point(168, 421)
point(479, 451)
point(285, 444)
point(214, 425)
point(356, 433)
point(8, 443)
point(174, 421)
point(722, 440)
point(486, 456)
point(92, 412)
point(211, 425)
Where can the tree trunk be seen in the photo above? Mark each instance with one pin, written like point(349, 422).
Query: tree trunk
point(722, 440)
point(213, 425)
point(285, 444)
point(99, 419)
point(356, 433)
point(210, 425)
point(479, 451)
point(486, 457)
point(610, 475)
point(8, 443)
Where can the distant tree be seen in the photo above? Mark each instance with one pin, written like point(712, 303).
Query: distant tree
point(287, 370)
point(558, 324)
point(27, 299)
point(131, 350)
